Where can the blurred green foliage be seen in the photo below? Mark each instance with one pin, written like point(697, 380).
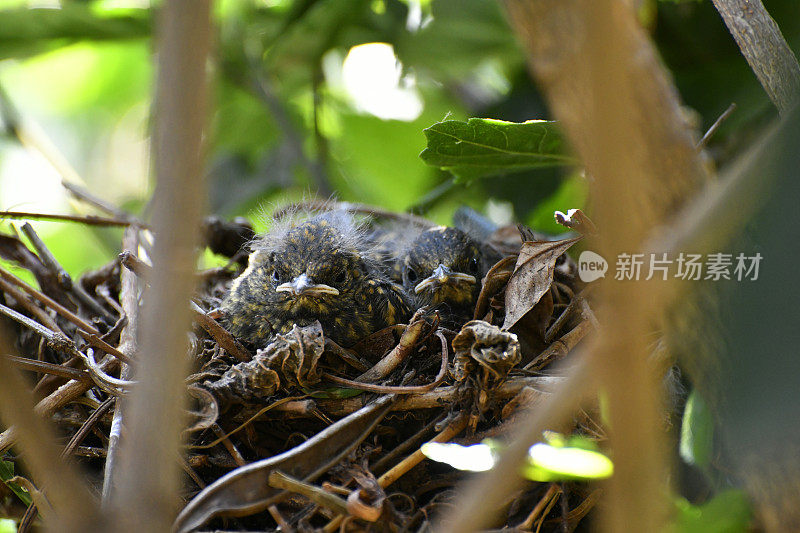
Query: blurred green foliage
point(284, 123)
point(727, 512)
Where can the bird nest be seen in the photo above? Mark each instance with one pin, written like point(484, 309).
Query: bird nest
point(302, 433)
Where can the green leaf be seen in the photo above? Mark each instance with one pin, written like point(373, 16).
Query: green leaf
point(697, 432)
point(482, 147)
point(6, 473)
point(727, 512)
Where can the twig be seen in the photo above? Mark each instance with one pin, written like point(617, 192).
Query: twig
point(70, 497)
point(87, 426)
point(561, 347)
point(120, 216)
point(386, 389)
point(279, 480)
point(484, 495)
point(232, 450)
point(49, 368)
point(62, 276)
point(455, 427)
point(89, 333)
point(527, 524)
point(401, 448)
point(129, 298)
point(764, 48)
point(56, 340)
point(131, 261)
point(403, 349)
point(90, 220)
point(110, 384)
point(57, 399)
point(220, 335)
point(715, 126)
point(25, 302)
point(49, 302)
point(276, 515)
point(345, 355)
point(289, 404)
point(46, 256)
point(436, 398)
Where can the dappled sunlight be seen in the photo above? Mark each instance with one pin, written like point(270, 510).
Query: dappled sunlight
point(373, 78)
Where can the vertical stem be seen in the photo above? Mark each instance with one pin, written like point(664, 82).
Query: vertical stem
point(129, 297)
point(148, 470)
point(623, 172)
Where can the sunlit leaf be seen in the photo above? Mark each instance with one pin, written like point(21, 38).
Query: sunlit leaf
point(7, 525)
point(555, 461)
point(697, 432)
point(482, 147)
point(727, 512)
point(475, 458)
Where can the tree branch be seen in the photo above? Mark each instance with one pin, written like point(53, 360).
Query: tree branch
point(763, 46)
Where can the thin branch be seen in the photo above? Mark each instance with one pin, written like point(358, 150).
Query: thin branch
point(62, 276)
point(91, 220)
point(129, 297)
point(42, 367)
point(70, 497)
point(765, 49)
point(84, 195)
point(56, 400)
point(715, 126)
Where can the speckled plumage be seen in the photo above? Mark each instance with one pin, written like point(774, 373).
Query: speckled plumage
point(437, 267)
point(319, 269)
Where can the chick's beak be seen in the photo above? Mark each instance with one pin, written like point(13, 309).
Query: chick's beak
point(303, 285)
point(441, 276)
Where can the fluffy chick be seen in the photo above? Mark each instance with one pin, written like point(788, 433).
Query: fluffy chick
point(443, 268)
point(319, 269)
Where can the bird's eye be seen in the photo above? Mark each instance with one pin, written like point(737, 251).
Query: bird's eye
point(473, 265)
point(412, 274)
point(275, 277)
point(341, 276)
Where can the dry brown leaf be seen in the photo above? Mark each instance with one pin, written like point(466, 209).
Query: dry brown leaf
point(532, 276)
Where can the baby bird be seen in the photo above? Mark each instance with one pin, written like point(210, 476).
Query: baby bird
point(443, 268)
point(321, 270)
